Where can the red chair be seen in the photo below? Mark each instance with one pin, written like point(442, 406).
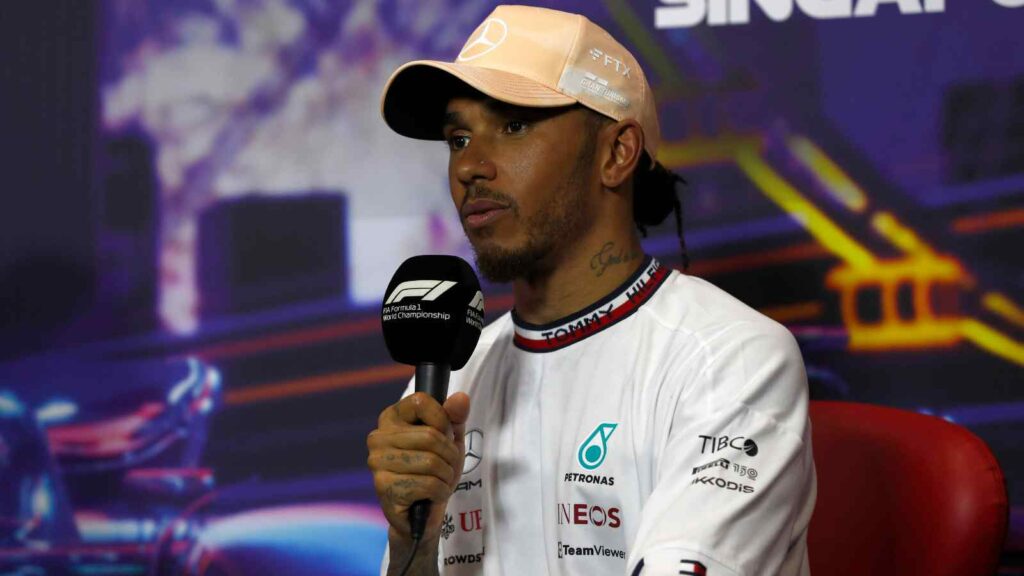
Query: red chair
point(900, 493)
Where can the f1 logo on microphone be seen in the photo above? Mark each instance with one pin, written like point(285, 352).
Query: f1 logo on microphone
point(478, 302)
point(430, 290)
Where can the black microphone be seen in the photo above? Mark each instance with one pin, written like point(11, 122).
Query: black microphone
point(432, 315)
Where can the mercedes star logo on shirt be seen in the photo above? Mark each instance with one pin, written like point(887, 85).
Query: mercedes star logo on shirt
point(474, 450)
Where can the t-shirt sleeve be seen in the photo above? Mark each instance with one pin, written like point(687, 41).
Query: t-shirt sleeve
point(733, 479)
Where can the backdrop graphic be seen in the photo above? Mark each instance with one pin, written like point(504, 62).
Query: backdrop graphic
point(208, 217)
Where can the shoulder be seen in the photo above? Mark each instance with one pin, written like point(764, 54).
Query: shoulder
point(724, 352)
point(696, 313)
point(693, 306)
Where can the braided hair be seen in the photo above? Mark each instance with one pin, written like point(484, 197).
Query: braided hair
point(655, 189)
point(655, 194)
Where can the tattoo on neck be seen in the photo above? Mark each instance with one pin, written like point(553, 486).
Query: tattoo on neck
point(608, 255)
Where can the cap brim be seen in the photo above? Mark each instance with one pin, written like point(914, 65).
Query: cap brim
point(416, 95)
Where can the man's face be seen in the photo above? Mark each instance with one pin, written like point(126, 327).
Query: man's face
point(520, 178)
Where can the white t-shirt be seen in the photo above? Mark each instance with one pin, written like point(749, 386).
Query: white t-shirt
point(662, 430)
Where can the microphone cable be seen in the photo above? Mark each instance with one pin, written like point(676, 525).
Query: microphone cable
point(412, 555)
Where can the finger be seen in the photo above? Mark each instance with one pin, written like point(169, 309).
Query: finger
point(420, 408)
point(389, 417)
point(412, 463)
point(415, 438)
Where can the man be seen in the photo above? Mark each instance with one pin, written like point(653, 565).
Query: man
point(626, 419)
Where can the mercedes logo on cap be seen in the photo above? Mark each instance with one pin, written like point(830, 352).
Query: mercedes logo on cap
point(474, 450)
point(490, 35)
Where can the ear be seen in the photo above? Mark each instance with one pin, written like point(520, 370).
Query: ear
point(624, 145)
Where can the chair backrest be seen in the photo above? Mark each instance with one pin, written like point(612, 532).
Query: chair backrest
point(902, 493)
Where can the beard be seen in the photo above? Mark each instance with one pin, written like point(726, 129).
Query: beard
point(562, 221)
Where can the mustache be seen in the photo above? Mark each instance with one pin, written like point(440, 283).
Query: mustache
point(485, 193)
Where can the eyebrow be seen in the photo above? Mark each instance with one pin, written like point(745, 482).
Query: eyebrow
point(451, 118)
point(494, 106)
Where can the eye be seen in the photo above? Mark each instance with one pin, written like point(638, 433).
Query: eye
point(458, 141)
point(515, 126)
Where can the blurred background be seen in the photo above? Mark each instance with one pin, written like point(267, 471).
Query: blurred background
point(202, 209)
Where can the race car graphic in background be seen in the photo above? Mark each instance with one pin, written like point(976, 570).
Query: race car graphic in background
point(100, 474)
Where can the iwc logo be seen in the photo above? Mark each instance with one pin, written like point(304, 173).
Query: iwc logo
point(593, 450)
point(474, 450)
point(489, 36)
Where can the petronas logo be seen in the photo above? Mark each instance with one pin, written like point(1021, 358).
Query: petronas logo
point(593, 450)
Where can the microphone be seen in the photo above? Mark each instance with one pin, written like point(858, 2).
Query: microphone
point(432, 315)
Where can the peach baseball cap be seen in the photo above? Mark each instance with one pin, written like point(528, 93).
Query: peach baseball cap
point(526, 56)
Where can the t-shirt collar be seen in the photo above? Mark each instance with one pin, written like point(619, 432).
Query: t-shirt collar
point(608, 311)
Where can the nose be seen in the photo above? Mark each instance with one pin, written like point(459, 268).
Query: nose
point(475, 163)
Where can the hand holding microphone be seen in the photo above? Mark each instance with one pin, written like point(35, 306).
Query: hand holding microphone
point(432, 315)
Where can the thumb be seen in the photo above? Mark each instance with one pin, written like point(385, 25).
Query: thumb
point(457, 407)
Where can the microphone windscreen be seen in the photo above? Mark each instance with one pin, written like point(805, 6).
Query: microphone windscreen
point(433, 311)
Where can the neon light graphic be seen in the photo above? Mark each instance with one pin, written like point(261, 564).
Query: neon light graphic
point(922, 271)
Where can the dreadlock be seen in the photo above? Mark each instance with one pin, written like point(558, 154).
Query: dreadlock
point(655, 194)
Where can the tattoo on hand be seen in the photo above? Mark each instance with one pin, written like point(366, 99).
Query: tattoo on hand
point(609, 256)
point(404, 486)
